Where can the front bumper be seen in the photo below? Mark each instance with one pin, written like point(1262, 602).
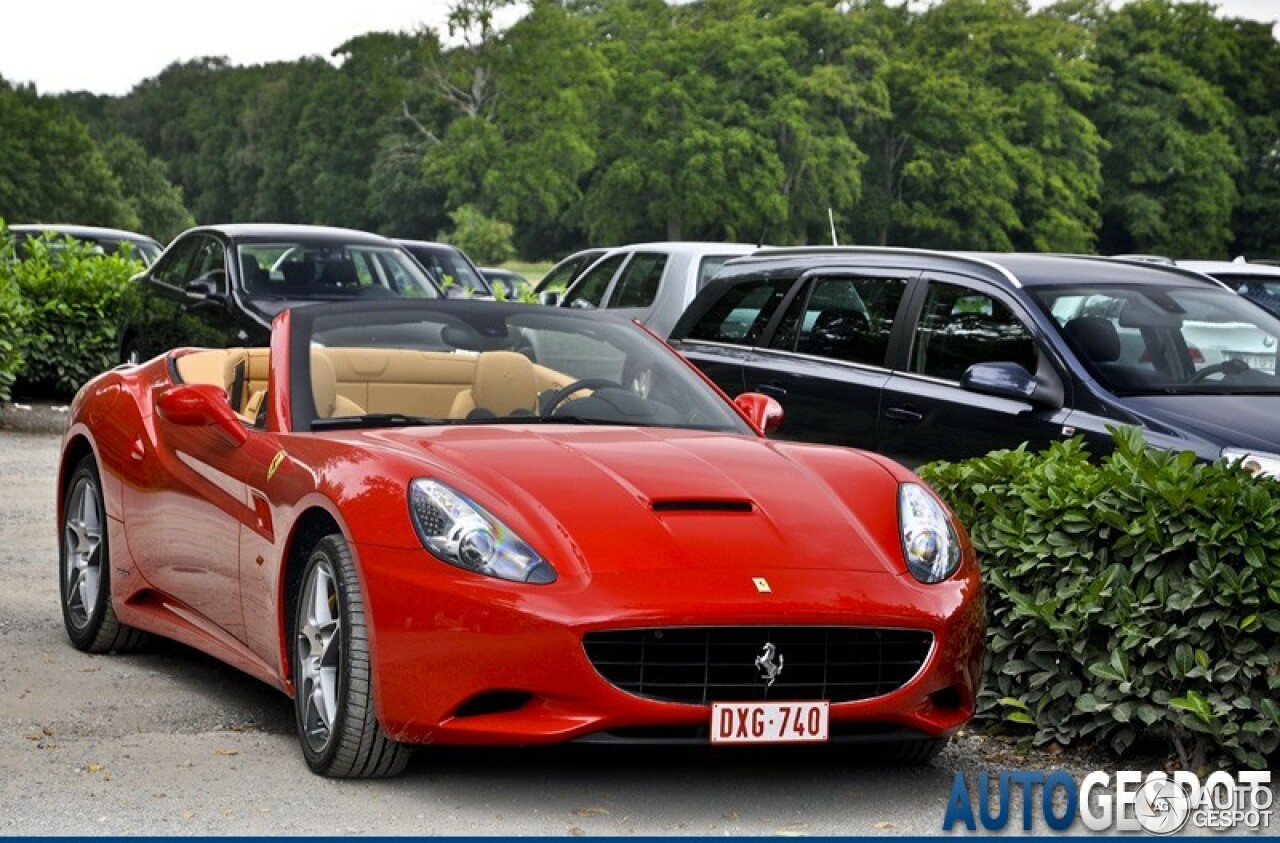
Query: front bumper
point(464, 659)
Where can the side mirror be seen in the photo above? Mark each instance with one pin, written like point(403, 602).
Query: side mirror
point(1007, 380)
point(550, 298)
point(201, 289)
point(201, 405)
point(764, 413)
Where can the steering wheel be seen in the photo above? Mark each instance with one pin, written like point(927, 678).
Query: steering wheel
point(555, 399)
point(1228, 368)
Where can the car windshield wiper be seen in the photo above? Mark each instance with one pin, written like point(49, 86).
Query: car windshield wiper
point(378, 420)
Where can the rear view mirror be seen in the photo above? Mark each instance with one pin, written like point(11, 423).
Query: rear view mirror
point(764, 413)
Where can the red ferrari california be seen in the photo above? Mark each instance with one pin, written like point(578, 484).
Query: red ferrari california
point(460, 522)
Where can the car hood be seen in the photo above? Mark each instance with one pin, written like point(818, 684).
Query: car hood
point(1235, 421)
point(651, 499)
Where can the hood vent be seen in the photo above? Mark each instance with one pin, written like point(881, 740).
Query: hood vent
point(702, 505)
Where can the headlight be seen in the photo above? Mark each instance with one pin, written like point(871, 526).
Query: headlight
point(929, 541)
point(459, 531)
point(1257, 463)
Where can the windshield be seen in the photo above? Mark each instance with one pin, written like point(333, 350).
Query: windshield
point(1168, 340)
point(330, 270)
point(451, 271)
point(473, 363)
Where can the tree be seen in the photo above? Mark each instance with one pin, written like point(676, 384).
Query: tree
point(155, 201)
point(50, 168)
point(1169, 173)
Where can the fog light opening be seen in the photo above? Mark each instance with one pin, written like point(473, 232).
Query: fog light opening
point(948, 698)
point(493, 702)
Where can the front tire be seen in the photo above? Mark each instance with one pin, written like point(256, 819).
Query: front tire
point(332, 676)
point(84, 569)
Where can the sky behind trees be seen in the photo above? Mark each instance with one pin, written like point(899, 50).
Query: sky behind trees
point(107, 48)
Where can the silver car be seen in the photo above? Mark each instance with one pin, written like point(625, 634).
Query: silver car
point(651, 282)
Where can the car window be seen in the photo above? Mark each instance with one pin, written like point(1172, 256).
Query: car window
point(590, 288)
point(327, 269)
point(740, 315)
point(959, 327)
point(638, 285)
point(1168, 340)
point(560, 276)
point(172, 268)
point(847, 318)
point(710, 266)
point(210, 264)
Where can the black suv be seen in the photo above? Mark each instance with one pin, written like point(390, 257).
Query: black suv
point(221, 285)
point(926, 355)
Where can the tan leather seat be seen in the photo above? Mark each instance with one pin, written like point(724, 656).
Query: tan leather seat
point(504, 384)
point(324, 389)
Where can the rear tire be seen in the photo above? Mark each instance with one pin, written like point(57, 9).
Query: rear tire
point(332, 675)
point(84, 569)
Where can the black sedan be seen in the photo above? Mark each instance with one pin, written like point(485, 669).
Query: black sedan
point(221, 285)
point(110, 240)
point(926, 355)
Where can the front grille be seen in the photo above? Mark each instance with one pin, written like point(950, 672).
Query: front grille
point(702, 665)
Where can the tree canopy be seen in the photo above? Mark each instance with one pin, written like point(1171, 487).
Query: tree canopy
point(1153, 126)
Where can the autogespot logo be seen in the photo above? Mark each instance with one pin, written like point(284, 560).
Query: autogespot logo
point(1158, 803)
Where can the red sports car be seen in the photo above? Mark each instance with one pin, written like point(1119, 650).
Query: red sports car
point(463, 522)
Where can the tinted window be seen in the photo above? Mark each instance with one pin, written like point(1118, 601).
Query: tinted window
point(210, 263)
point(172, 268)
point(711, 265)
point(638, 285)
point(590, 288)
point(960, 327)
point(741, 314)
point(328, 269)
point(843, 319)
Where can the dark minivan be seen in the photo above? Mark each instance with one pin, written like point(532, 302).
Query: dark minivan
point(927, 355)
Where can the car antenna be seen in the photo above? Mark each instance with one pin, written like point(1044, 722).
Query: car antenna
point(831, 218)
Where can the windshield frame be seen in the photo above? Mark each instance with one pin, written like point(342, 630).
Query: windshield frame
point(662, 390)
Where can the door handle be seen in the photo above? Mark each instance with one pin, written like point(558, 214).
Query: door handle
point(904, 414)
point(772, 389)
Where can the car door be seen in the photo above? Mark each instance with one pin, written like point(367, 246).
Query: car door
point(173, 311)
point(825, 359)
point(722, 341)
point(956, 322)
point(190, 517)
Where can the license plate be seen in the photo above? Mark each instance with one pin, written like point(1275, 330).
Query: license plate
point(769, 722)
point(1261, 362)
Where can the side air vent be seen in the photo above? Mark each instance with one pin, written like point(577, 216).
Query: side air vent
point(701, 505)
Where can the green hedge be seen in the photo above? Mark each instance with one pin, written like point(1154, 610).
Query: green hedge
point(13, 320)
point(1135, 597)
point(70, 293)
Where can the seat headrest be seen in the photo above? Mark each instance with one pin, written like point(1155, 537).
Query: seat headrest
point(1097, 338)
point(324, 384)
point(339, 273)
point(504, 382)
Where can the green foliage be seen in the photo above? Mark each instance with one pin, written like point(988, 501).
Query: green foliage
point(13, 318)
point(486, 240)
point(50, 169)
point(71, 294)
point(155, 201)
point(1133, 597)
